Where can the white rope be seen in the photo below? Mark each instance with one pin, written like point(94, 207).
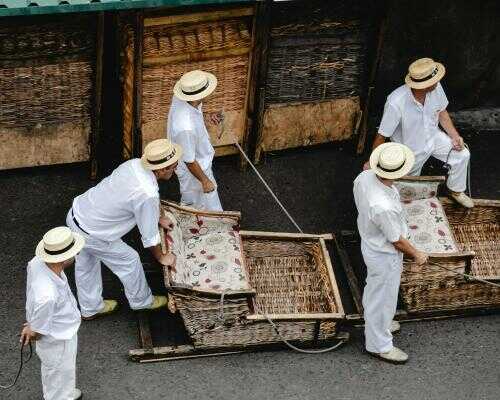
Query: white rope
point(267, 187)
point(471, 277)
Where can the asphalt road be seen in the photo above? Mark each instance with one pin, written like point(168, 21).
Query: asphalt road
point(449, 359)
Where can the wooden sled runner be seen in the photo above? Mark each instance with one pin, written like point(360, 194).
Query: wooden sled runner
point(228, 284)
point(461, 240)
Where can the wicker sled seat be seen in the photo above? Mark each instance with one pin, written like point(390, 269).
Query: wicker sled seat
point(465, 241)
point(227, 282)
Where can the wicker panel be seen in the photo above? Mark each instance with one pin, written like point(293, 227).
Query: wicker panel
point(317, 52)
point(287, 282)
point(46, 72)
point(169, 41)
point(208, 327)
point(162, 41)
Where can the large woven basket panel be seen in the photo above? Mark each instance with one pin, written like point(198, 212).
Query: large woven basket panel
point(222, 47)
point(46, 88)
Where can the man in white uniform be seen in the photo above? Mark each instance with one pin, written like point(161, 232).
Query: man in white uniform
point(52, 314)
point(109, 210)
point(411, 116)
point(186, 127)
point(384, 231)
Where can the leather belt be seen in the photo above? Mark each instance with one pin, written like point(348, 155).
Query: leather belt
point(76, 222)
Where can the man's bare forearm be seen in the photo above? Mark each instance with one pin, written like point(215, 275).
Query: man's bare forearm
point(196, 170)
point(405, 247)
point(379, 139)
point(447, 124)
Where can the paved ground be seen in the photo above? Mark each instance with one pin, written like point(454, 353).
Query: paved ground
point(450, 359)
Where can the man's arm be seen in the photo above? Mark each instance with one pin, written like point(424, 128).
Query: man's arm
point(448, 126)
point(164, 259)
point(404, 246)
point(206, 183)
point(379, 139)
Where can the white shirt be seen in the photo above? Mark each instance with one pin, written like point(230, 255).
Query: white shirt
point(381, 219)
point(186, 127)
point(51, 308)
point(128, 197)
point(407, 121)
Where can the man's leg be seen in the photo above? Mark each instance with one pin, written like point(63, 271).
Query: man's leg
point(380, 299)
point(125, 263)
point(58, 368)
point(458, 161)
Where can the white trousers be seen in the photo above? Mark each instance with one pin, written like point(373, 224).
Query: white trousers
point(458, 160)
point(380, 297)
point(121, 259)
point(192, 193)
point(58, 367)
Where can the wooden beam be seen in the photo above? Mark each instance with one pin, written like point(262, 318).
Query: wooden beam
point(333, 281)
point(145, 339)
point(286, 235)
point(138, 56)
point(228, 214)
point(199, 17)
point(196, 56)
point(295, 317)
point(477, 202)
point(352, 280)
point(97, 103)
point(436, 178)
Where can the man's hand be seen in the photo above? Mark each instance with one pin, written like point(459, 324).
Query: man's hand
point(168, 260)
point(457, 143)
point(366, 165)
point(216, 118)
point(208, 186)
point(27, 335)
point(166, 223)
point(421, 257)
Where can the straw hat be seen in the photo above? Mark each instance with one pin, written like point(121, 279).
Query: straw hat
point(423, 73)
point(195, 85)
point(392, 160)
point(160, 153)
point(59, 244)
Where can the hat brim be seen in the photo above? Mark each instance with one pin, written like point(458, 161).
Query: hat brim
point(173, 160)
point(212, 84)
point(51, 258)
point(424, 85)
point(404, 170)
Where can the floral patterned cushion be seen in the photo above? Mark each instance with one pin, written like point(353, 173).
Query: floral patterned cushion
point(429, 227)
point(209, 252)
point(416, 190)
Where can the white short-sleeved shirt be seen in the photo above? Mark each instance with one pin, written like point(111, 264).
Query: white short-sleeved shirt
point(407, 121)
point(128, 197)
point(381, 219)
point(186, 127)
point(51, 308)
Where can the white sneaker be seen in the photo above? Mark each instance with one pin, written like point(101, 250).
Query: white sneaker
point(462, 199)
point(77, 394)
point(394, 356)
point(395, 327)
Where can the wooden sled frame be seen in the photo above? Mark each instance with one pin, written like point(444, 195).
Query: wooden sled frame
point(148, 352)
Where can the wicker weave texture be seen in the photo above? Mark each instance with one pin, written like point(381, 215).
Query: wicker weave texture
point(46, 73)
point(168, 41)
point(289, 276)
point(288, 283)
point(317, 52)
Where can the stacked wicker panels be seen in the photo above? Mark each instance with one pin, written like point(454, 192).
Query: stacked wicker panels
point(46, 82)
point(175, 46)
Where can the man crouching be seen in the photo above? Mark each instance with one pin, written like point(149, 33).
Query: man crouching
point(52, 314)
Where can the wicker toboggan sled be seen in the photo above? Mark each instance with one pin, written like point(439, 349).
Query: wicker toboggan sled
point(228, 284)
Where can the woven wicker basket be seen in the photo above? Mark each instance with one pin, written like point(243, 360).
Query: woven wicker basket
point(292, 282)
point(428, 287)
